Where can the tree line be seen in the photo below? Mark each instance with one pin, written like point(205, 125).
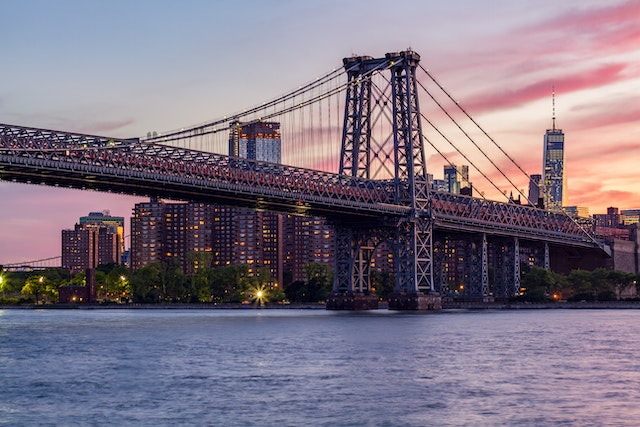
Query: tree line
point(540, 285)
point(168, 283)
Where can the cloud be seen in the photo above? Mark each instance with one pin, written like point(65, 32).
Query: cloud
point(613, 112)
point(597, 77)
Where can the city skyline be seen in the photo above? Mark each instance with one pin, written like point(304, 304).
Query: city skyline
point(125, 68)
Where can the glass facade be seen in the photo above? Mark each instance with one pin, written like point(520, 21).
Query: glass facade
point(554, 181)
point(256, 141)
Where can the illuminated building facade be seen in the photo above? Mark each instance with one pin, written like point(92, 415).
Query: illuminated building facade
point(305, 240)
point(95, 240)
point(554, 179)
point(256, 141)
point(456, 178)
point(162, 232)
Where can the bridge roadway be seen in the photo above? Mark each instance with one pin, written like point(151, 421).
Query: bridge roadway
point(132, 166)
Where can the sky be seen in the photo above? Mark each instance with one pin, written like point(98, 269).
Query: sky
point(123, 68)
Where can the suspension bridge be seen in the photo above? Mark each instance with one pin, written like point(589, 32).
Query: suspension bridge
point(354, 152)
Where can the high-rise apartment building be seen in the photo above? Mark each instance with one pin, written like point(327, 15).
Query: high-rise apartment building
point(115, 224)
point(256, 141)
point(554, 179)
point(147, 233)
point(163, 231)
point(305, 240)
point(281, 243)
point(95, 240)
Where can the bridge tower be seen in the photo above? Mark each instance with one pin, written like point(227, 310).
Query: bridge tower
point(402, 154)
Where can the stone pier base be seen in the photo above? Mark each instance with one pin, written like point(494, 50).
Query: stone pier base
point(417, 301)
point(352, 301)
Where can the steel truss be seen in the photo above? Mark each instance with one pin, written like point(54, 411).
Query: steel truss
point(134, 167)
point(412, 239)
point(506, 265)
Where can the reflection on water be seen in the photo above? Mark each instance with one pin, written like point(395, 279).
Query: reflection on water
point(315, 367)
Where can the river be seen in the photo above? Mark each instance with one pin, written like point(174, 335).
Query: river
point(290, 367)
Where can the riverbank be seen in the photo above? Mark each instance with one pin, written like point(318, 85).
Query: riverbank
point(605, 305)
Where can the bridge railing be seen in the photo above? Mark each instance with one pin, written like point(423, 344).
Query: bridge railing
point(459, 211)
point(136, 161)
point(68, 151)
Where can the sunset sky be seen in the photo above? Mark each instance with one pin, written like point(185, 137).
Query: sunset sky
point(125, 67)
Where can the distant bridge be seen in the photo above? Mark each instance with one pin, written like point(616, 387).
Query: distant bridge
point(35, 265)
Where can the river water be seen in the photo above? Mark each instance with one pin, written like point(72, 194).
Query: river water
point(289, 367)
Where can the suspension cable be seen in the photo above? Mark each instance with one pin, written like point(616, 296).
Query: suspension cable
point(473, 142)
point(474, 122)
point(335, 73)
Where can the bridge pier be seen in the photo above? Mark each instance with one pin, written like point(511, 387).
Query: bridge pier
point(352, 301)
point(415, 301)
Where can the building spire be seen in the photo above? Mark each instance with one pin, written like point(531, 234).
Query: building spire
point(553, 105)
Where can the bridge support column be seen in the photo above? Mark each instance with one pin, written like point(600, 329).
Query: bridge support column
point(547, 262)
point(413, 253)
point(351, 286)
point(507, 268)
point(485, 267)
point(476, 268)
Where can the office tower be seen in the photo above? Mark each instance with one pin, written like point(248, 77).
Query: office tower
point(577, 211)
point(94, 241)
point(534, 189)
point(456, 178)
point(554, 179)
point(440, 185)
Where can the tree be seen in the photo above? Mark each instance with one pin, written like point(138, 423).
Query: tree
point(580, 283)
point(539, 283)
point(318, 284)
point(383, 282)
point(620, 281)
point(145, 283)
point(319, 280)
point(34, 286)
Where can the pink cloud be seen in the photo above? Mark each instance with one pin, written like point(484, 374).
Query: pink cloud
point(569, 83)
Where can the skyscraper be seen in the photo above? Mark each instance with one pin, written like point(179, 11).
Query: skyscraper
point(554, 179)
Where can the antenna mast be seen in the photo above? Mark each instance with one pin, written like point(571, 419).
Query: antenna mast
point(553, 105)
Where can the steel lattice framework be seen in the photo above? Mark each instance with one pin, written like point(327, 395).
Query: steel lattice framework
point(128, 166)
point(364, 208)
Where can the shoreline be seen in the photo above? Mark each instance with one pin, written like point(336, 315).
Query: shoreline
point(448, 306)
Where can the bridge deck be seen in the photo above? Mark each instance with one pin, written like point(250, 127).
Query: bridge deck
point(129, 166)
